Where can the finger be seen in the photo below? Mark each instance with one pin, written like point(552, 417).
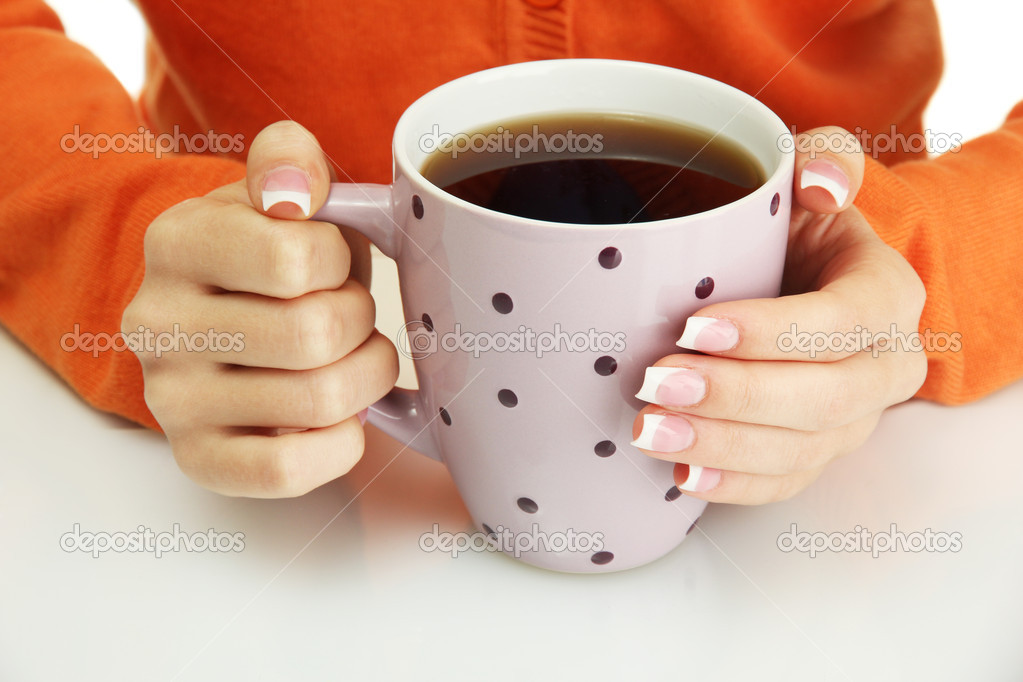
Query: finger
point(287, 173)
point(288, 176)
point(260, 397)
point(828, 169)
point(867, 287)
point(234, 248)
point(749, 448)
point(307, 332)
point(810, 396)
point(285, 465)
point(734, 487)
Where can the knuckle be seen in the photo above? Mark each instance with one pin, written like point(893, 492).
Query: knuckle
point(831, 408)
point(281, 473)
point(164, 235)
point(163, 398)
point(800, 454)
point(921, 367)
point(750, 393)
point(322, 399)
point(143, 310)
point(916, 374)
point(384, 373)
point(748, 397)
point(139, 317)
point(751, 489)
point(193, 459)
point(317, 331)
point(286, 470)
point(743, 444)
point(847, 314)
point(132, 317)
point(352, 449)
point(157, 242)
point(788, 487)
point(291, 260)
point(914, 291)
point(895, 274)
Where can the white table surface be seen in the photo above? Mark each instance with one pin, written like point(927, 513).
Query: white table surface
point(334, 585)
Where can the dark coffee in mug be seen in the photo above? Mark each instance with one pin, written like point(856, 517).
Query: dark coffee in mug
point(595, 168)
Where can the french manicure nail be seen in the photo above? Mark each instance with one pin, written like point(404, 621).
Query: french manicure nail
point(677, 386)
point(700, 479)
point(663, 433)
point(287, 184)
point(708, 335)
point(829, 177)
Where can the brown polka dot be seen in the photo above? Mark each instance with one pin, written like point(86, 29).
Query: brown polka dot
point(527, 505)
point(605, 365)
point(704, 287)
point(610, 258)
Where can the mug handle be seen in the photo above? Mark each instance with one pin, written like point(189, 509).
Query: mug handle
point(369, 209)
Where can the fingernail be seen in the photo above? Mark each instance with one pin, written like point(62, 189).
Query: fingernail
point(663, 433)
point(829, 177)
point(708, 335)
point(698, 479)
point(287, 184)
point(672, 386)
point(363, 415)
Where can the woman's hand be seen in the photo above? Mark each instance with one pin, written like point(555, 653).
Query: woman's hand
point(786, 385)
point(275, 415)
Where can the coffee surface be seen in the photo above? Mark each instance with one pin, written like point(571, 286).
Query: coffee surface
point(594, 169)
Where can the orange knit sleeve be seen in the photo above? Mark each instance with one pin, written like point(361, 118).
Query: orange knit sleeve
point(958, 219)
point(72, 223)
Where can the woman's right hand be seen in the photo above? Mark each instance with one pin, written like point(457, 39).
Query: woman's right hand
point(275, 410)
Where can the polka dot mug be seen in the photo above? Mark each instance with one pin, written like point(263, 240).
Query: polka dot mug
point(538, 441)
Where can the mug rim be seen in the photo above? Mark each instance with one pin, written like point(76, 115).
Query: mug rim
point(410, 171)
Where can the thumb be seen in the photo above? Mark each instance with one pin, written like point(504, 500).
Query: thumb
point(829, 169)
point(287, 173)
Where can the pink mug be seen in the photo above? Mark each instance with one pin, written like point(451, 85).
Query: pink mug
point(539, 445)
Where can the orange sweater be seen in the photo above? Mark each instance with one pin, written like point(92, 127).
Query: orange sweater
point(72, 226)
